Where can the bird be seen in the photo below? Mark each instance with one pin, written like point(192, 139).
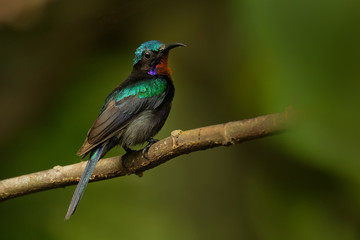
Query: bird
point(133, 113)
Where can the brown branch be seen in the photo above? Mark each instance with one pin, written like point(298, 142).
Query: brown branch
point(180, 142)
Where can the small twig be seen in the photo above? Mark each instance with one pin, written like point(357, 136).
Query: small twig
point(180, 142)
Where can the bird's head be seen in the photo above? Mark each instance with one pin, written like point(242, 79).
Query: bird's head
point(152, 57)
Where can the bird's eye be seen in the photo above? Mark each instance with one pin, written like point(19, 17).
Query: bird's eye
point(147, 54)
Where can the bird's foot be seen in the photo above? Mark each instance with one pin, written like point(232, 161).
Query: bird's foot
point(151, 141)
point(128, 151)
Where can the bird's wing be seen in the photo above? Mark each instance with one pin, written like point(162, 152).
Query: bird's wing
point(120, 107)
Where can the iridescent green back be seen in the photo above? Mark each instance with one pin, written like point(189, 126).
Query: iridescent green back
point(142, 89)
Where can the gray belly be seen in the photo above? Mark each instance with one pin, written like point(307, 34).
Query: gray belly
point(144, 126)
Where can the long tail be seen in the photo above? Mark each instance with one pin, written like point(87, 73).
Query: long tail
point(90, 166)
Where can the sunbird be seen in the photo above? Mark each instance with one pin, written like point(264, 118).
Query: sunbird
point(133, 113)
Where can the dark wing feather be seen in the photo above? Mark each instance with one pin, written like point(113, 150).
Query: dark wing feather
point(115, 116)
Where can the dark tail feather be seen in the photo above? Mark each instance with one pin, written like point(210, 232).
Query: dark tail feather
point(90, 166)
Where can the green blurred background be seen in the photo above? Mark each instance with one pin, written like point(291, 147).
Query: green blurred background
point(60, 59)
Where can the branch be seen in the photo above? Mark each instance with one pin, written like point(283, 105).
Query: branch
point(180, 142)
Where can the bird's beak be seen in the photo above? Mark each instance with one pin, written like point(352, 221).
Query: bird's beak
point(170, 46)
point(161, 60)
point(165, 50)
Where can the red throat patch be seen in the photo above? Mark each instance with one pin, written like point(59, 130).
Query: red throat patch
point(162, 68)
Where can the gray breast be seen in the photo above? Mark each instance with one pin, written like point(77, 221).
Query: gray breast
point(143, 127)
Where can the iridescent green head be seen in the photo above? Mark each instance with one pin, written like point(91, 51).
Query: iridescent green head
point(152, 57)
point(153, 45)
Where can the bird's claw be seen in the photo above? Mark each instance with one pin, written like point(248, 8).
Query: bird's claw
point(151, 141)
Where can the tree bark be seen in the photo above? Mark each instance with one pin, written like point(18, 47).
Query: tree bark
point(180, 142)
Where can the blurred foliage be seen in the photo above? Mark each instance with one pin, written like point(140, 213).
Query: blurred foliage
point(245, 58)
